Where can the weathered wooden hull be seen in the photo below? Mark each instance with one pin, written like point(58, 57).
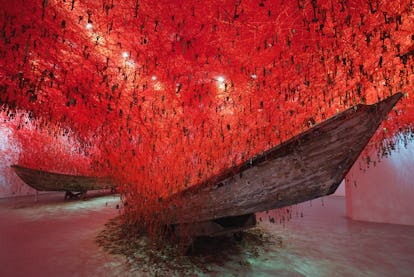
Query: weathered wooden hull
point(48, 181)
point(310, 165)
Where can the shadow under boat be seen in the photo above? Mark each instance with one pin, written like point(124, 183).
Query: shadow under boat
point(307, 166)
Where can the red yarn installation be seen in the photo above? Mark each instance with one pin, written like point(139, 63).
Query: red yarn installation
point(160, 95)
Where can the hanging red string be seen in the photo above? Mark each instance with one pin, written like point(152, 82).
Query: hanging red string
point(163, 94)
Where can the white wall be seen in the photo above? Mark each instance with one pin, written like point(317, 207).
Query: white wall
point(340, 191)
point(385, 192)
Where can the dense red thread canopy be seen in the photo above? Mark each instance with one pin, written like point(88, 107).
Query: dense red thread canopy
point(163, 94)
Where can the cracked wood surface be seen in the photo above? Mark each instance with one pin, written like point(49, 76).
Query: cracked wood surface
point(309, 165)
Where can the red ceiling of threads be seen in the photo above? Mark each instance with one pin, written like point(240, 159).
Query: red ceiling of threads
point(162, 94)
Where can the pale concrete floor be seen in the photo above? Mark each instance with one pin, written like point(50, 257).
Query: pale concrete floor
point(57, 238)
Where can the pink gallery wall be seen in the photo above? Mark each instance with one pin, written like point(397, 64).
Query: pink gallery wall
point(10, 184)
point(384, 192)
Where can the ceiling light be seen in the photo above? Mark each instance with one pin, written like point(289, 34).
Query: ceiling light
point(220, 79)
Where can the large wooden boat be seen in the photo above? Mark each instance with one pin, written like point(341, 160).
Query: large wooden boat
point(73, 185)
point(309, 165)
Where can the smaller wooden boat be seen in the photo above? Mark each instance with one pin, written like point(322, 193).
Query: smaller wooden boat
point(73, 185)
